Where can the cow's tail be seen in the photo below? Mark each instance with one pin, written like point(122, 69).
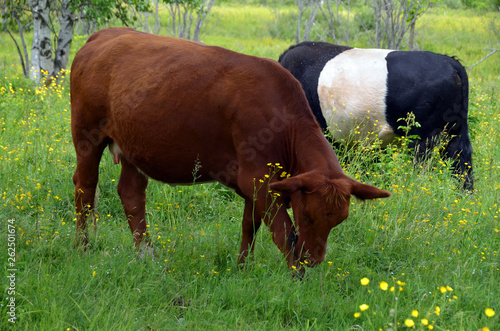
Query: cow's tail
point(460, 147)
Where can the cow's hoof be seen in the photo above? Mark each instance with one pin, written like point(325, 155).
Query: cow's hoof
point(146, 251)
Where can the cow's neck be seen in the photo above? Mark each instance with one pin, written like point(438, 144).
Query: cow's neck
point(312, 152)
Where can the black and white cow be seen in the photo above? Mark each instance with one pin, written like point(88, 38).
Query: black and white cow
point(370, 89)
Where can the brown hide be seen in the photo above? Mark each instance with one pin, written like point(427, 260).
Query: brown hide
point(167, 106)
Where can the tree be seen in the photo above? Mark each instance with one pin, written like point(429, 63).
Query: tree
point(157, 18)
point(41, 49)
point(393, 19)
point(12, 14)
point(332, 12)
point(313, 6)
point(65, 37)
point(201, 16)
point(47, 57)
point(415, 12)
point(186, 15)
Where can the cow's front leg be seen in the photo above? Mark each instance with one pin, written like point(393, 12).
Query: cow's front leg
point(285, 236)
point(132, 191)
point(250, 225)
point(271, 209)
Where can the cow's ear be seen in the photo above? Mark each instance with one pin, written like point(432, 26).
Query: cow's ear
point(288, 186)
point(364, 191)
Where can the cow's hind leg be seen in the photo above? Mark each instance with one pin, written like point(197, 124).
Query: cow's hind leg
point(132, 191)
point(88, 156)
point(250, 226)
point(459, 150)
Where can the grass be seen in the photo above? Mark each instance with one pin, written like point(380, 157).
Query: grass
point(434, 247)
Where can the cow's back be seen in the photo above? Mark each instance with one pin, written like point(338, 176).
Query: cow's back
point(305, 61)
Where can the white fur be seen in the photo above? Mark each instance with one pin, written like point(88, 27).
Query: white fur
point(352, 88)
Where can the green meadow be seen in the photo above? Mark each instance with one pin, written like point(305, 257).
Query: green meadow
point(427, 258)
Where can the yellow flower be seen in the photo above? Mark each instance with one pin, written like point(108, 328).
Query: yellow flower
point(414, 313)
point(437, 311)
point(93, 274)
point(384, 286)
point(424, 321)
point(443, 289)
point(356, 314)
point(364, 307)
point(489, 312)
point(365, 281)
point(409, 322)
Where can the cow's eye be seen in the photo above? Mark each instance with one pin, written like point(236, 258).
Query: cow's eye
point(328, 213)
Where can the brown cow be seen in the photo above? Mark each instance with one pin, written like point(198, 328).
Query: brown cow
point(166, 106)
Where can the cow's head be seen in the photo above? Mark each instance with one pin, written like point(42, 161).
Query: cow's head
point(319, 204)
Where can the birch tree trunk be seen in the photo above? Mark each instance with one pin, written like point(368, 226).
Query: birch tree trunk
point(314, 6)
point(411, 41)
point(4, 9)
point(25, 60)
point(157, 19)
point(334, 17)
point(41, 49)
point(207, 6)
point(186, 14)
point(308, 25)
point(65, 38)
point(378, 21)
point(25, 49)
point(395, 19)
point(300, 4)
